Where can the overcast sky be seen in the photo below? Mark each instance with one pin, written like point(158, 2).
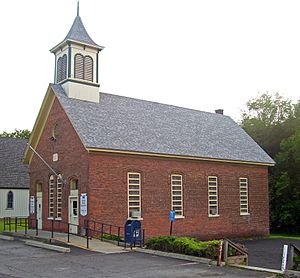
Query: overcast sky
point(197, 54)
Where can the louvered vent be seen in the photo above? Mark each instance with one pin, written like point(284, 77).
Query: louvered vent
point(58, 69)
point(79, 66)
point(88, 68)
point(61, 68)
point(64, 67)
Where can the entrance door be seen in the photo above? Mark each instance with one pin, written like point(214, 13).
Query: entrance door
point(73, 214)
point(39, 209)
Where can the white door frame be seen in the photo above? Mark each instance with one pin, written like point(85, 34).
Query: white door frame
point(39, 209)
point(73, 219)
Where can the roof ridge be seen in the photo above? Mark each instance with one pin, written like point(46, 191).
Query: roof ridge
point(165, 104)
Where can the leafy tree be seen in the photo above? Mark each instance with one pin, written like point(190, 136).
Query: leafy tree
point(285, 192)
point(18, 133)
point(274, 123)
point(267, 119)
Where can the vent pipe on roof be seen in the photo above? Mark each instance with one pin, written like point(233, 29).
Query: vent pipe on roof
point(219, 111)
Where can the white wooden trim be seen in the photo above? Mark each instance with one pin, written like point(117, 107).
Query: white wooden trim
point(181, 211)
point(213, 193)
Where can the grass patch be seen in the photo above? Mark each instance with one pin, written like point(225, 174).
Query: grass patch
point(20, 226)
point(184, 245)
point(283, 235)
point(111, 237)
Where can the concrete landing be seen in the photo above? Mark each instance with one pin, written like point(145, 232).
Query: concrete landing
point(95, 245)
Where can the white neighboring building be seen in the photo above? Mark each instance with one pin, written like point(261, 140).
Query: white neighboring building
point(14, 178)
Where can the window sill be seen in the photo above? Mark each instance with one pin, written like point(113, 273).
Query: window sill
point(179, 217)
point(213, 216)
point(9, 208)
point(244, 214)
point(50, 218)
point(139, 219)
point(59, 218)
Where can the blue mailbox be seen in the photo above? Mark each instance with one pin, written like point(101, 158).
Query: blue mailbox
point(133, 231)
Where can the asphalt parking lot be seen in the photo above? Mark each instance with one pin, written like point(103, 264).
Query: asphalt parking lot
point(267, 252)
point(19, 260)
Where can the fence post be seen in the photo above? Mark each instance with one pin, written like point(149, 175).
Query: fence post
point(36, 227)
point(26, 225)
point(291, 257)
point(16, 224)
point(143, 237)
point(225, 250)
point(87, 238)
point(52, 226)
point(68, 232)
point(102, 226)
point(119, 231)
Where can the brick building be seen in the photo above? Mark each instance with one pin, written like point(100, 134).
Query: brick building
point(135, 159)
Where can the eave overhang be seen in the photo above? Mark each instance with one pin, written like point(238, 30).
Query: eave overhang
point(158, 155)
point(68, 42)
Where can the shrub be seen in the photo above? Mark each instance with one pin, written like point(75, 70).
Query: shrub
point(297, 263)
point(184, 245)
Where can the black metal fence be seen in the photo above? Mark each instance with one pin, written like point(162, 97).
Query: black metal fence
point(90, 229)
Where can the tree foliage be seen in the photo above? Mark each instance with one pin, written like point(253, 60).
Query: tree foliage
point(274, 122)
point(18, 133)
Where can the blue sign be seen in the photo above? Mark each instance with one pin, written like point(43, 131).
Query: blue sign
point(172, 215)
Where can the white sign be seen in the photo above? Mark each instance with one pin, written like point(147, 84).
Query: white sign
point(32, 204)
point(83, 204)
point(284, 257)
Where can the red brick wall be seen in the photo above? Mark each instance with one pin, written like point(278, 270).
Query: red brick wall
point(108, 195)
point(106, 175)
point(73, 161)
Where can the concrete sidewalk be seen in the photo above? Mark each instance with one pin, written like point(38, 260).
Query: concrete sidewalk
point(77, 241)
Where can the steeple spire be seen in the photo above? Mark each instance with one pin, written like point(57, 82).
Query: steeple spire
point(78, 8)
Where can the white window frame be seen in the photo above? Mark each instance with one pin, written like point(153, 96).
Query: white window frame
point(59, 183)
point(51, 197)
point(213, 195)
point(244, 196)
point(177, 191)
point(134, 194)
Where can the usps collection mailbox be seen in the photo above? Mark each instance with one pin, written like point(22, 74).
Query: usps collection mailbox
point(133, 231)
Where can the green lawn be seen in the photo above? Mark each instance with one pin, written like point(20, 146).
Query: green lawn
point(19, 227)
point(283, 235)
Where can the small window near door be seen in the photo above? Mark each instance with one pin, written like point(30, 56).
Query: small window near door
point(74, 184)
point(10, 200)
point(39, 187)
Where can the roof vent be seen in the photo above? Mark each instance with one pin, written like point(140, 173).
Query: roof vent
point(219, 111)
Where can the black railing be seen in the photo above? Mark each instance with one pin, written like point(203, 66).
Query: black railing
point(90, 229)
point(104, 230)
point(15, 224)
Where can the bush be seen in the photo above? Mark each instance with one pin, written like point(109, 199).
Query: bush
point(184, 245)
point(297, 263)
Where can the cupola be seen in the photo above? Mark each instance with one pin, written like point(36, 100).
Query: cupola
point(76, 63)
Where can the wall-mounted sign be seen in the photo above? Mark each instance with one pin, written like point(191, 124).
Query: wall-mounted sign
point(32, 204)
point(83, 204)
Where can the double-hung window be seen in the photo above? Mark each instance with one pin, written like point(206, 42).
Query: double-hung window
point(213, 206)
point(134, 195)
point(59, 197)
point(244, 207)
point(177, 196)
point(51, 197)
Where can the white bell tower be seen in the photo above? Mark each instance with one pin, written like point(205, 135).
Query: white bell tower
point(76, 63)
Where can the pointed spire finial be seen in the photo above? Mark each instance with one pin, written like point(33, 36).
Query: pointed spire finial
point(78, 8)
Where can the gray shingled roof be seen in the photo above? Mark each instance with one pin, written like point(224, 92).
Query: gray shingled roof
point(13, 173)
point(122, 123)
point(79, 33)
